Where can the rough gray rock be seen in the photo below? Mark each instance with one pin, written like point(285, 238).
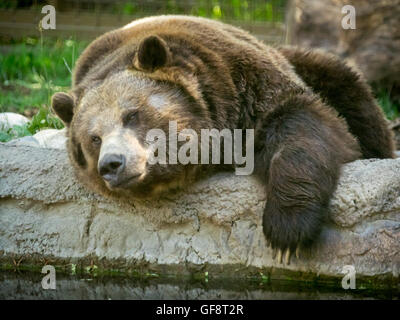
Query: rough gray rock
point(51, 138)
point(48, 138)
point(45, 212)
point(10, 119)
point(24, 141)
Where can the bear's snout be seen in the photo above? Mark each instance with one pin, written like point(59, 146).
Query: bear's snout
point(111, 168)
point(122, 160)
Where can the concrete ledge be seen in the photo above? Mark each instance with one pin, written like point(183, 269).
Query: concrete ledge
point(46, 214)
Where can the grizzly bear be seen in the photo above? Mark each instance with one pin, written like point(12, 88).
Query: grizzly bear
point(310, 112)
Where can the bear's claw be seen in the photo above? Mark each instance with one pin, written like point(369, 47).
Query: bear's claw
point(284, 255)
point(298, 252)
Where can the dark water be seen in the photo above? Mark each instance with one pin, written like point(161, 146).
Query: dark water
point(27, 285)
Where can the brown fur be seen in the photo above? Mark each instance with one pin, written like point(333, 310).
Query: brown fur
point(343, 88)
point(309, 111)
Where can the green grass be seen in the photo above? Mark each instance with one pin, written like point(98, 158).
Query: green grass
point(14, 132)
point(389, 107)
point(32, 70)
point(43, 119)
point(240, 10)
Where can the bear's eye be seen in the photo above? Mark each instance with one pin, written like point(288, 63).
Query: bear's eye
point(131, 117)
point(96, 140)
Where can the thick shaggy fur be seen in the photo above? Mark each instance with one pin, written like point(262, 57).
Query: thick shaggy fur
point(344, 89)
point(311, 112)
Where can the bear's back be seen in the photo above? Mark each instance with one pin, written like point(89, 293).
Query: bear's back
point(225, 40)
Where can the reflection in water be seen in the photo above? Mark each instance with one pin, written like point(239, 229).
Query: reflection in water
point(28, 286)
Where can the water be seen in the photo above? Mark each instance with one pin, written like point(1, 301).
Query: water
point(27, 285)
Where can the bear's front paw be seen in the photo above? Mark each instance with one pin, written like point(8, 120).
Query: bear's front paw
point(288, 229)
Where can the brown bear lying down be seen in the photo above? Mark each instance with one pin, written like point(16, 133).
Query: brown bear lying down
point(310, 113)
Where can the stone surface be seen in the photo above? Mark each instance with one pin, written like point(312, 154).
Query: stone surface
point(374, 46)
point(51, 138)
point(48, 138)
point(10, 119)
point(24, 141)
point(45, 212)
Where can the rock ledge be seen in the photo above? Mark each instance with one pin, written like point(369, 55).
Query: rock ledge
point(45, 213)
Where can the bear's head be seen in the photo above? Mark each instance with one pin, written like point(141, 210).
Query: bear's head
point(108, 121)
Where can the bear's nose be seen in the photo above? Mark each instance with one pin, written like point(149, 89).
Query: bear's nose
point(111, 165)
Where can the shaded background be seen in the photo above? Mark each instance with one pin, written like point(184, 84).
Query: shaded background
point(35, 63)
point(89, 18)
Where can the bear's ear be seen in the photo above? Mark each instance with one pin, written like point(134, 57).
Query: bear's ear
point(153, 53)
point(63, 106)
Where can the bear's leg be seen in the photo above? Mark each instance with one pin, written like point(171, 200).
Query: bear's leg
point(300, 148)
point(345, 90)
